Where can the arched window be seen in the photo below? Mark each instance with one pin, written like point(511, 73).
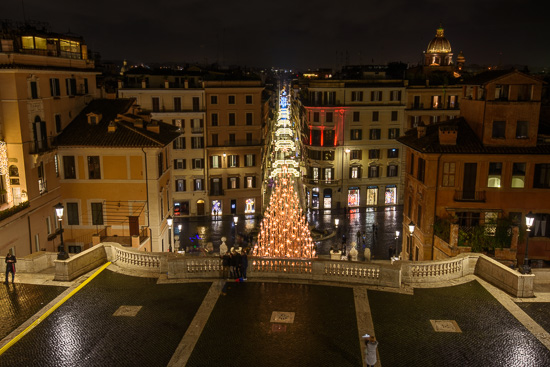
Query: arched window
point(14, 171)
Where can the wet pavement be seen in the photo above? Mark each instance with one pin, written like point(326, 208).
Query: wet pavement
point(238, 329)
point(387, 220)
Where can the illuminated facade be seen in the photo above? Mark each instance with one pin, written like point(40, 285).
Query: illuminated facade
point(235, 116)
point(46, 79)
point(177, 99)
point(489, 164)
point(115, 174)
point(352, 157)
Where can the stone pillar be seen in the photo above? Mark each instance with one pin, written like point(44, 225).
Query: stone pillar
point(135, 241)
point(166, 84)
point(143, 83)
point(96, 239)
point(108, 231)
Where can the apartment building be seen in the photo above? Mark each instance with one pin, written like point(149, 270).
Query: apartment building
point(488, 165)
point(235, 125)
point(114, 165)
point(176, 98)
point(46, 79)
point(352, 157)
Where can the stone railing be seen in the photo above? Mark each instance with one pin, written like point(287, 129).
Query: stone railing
point(36, 262)
point(379, 273)
point(132, 259)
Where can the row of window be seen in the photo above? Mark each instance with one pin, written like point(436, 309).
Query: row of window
point(55, 88)
point(231, 99)
point(177, 104)
point(73, 217)
point(374, 134)
point(328, 155)
point(499, 130)
point(216, 188)
point(541, 177)
point(436, 102)
point(356, 116)
point(232, 119)
point(329, 97)
point(216, 161)
point(374, 171)
point(69, 167)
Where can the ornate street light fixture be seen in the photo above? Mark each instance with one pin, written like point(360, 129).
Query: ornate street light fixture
point(529, 219)
point(235, 221)
point(63, 253)
point(411, 231)
point(170, 221)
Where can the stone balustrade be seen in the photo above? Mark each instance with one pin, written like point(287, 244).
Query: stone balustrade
point(379, 273)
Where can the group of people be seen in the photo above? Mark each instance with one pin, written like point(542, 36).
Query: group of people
point(235, 263)
point(10, 267)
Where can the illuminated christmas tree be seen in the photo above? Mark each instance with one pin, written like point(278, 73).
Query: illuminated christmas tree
point(284, 231)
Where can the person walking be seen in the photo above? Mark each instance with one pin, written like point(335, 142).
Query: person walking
point(10, 266)
point(370, 351)
point(244, 263)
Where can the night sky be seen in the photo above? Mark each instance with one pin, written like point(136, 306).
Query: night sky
point(297, 34)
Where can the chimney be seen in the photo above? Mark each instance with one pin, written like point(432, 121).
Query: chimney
point(186, 83)
point(154, 127)
point(143, 83)
point(166, 84)
point(120, 84)
point(447, 135)
point(112, 127)
point(421, 130)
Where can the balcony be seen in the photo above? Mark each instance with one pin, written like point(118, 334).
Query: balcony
point(470, 196)
point(41, 146)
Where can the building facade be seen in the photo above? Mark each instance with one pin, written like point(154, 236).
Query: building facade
point(352, 158)
point(46, 80)
point(115, 172)
point(485, 168)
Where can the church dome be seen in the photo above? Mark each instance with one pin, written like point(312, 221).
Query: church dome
point(439, 44)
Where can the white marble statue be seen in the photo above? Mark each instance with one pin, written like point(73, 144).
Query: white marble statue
point(353, 252)
point(223, 247)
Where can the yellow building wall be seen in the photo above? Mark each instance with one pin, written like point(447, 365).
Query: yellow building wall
point(136, 168)
point(115, 167)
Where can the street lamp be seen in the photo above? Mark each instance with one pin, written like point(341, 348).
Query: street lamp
point(170, 221)
point(342, 185)
point(397, 244)
point(411, 231)
point(336, 222)
point(63, 254)
point(529, 218)
point(180, 247)
point(235, 221)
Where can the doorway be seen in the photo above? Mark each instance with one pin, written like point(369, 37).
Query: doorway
point(469, 182)
point(133, 223)
point(200, 207)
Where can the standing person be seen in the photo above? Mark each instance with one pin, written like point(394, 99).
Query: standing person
point(239, 265)
point(233, 265)
point(10, 266)
point(244, 263)
point(370, 351)
point(226, 260)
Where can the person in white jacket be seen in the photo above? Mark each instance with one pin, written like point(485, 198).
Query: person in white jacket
point(370, 351)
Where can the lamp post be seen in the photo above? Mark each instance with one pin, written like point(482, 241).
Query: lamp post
point(529, 218)
point(397, 244)
point(342, 184)
point(170, 221)
point(63, 254)
point(180, 247)
point(411, 231)
point(235, 221)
